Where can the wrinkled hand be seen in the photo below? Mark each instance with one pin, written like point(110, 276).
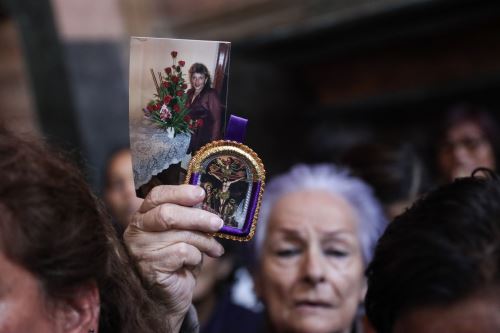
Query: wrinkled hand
point(168, 237)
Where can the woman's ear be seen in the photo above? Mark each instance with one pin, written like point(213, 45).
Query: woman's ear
point(79, 312)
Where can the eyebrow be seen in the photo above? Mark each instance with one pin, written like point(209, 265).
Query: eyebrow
point(290, 233)
point(328, 235)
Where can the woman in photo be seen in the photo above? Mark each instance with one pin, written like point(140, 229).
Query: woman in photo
point(204, 107)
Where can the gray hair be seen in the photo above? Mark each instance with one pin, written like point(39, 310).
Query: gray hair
point(337, 181)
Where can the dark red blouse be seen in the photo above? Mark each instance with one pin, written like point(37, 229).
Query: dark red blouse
point(205, 106)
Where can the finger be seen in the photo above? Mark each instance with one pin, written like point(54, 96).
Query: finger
point(148, 243)
point(171, 216)
point(185, 195)
point(175, 257)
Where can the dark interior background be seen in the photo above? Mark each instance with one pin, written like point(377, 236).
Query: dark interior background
point(313, 77)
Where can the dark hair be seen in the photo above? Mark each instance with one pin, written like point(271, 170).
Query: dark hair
point(444, 248)
point(54, 227)
point(394, 171)
point(201, 69)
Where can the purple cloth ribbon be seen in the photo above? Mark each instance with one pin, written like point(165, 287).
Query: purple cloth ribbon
point(236, 129)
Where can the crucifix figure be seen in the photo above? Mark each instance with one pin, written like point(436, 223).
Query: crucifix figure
point(228, 171)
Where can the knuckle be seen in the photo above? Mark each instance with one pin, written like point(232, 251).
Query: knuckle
point(183, 250)
point(166, 215)
point(154, 195)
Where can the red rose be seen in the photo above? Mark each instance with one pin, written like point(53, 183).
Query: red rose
point(177, 108)
point(175, 79)
point(179, 93)
point(167, 99)
point(174, 54)
point(149, 108)
point(199, 122)
point(184, 86)
point(182, 63)
point(157, 107)
point(187, 119)
point(168, 70)
point(165, 84)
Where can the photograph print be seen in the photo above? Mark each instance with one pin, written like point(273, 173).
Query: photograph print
point(178, 100)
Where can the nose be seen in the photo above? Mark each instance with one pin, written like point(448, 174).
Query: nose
point(314, 267)
point(460, 154)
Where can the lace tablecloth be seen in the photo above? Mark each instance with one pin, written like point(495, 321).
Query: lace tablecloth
point(153, 151)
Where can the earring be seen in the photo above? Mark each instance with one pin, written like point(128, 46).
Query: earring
point(91, 330)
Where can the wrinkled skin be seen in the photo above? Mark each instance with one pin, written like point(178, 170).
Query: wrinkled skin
point(311, 269)
point(169, 237)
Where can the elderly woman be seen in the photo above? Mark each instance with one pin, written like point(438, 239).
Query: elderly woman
point(204, 107)
point(62, 267)
point(317, 229)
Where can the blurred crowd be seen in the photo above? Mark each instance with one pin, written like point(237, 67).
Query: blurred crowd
point(305, 269)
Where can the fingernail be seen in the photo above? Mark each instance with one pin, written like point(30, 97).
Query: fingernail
point(216, 223)
point(199, 193)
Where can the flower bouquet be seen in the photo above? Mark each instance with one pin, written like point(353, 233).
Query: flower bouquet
point(167, 109)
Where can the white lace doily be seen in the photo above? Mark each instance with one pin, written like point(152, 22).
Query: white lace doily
point(153, 151)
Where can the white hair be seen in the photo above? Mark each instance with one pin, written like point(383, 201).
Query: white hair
point(335, 180)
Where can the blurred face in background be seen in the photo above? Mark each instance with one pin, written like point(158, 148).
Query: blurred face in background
point(311, 269)
point(120, 190)
point(213, 270)
point(464, 149)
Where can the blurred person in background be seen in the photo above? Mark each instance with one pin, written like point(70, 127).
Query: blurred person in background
point(394, 171)
point(467, 139)
point(204, 107)
point(214, 299)
point(437, 266)
point(315, 236)
point(63, 268)
point(119, 189)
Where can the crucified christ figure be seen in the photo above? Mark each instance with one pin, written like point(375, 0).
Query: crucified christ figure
point(224, 193)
